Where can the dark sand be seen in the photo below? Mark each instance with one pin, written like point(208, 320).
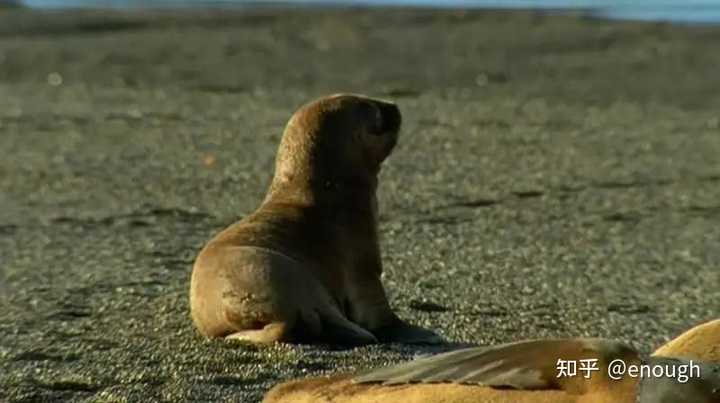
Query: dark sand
point(556, 176)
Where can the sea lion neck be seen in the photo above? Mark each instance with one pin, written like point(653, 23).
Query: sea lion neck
point(347, 192)
point(320, 165)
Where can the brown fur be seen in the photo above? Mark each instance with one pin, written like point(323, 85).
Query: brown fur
point(699, 343)
point(305, 266)
point(342, 390)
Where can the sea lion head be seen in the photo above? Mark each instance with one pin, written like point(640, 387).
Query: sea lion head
point(337, 142)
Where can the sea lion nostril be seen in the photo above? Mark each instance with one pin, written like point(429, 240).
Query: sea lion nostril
point(391, 117)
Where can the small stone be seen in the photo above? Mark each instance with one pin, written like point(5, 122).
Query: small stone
point(209, 160)
point(54, 79)
point(135, 113)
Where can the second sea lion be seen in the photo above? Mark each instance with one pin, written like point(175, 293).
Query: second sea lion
point(686, 369)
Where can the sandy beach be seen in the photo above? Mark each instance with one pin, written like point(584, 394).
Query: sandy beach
point(557, 175)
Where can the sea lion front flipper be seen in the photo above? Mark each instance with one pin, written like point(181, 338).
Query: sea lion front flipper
point(525, 365)
point(336, 329)
point(402, 332)
point(337, 332)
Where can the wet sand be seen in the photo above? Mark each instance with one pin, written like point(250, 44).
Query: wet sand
point(556, 176)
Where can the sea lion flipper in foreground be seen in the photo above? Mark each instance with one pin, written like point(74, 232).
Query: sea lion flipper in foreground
point(527, 372)
point(520, 365)
point(305, 266)
point(522, 372)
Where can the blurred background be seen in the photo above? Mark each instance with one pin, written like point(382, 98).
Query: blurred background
point(693, 11)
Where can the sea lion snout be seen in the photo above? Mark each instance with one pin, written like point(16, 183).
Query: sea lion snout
point(390, 117)
point(381, 121)
point(380, 116)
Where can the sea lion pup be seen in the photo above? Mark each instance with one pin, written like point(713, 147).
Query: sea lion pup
point(528, 372)
point(305, 266)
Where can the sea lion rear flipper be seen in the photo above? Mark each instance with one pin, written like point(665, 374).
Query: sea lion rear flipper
point(271, 333)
